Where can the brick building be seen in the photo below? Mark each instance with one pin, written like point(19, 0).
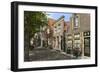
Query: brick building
point(78, 35)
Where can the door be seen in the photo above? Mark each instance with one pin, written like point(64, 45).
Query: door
point(87, 46)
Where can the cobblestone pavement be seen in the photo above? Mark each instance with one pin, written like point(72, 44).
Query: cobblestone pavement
point(44, 54)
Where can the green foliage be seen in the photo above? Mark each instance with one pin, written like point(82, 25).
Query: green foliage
point(33, 21)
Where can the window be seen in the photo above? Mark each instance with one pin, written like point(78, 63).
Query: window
point(69, 43)
point(77, 43)
point(87, 33)
point(58, 24)
point(76, 21)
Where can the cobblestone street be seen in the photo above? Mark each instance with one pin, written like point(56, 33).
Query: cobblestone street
point(42, 54)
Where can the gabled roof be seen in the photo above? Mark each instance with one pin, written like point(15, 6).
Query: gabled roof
point(51, 21)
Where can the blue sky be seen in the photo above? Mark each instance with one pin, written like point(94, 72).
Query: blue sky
point(56, 15)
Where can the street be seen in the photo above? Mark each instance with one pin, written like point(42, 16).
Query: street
point(44, 54)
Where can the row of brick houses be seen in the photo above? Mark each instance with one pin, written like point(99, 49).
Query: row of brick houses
point(78, 35)
point(58, 28)
point(67, 36)
point(58, 33)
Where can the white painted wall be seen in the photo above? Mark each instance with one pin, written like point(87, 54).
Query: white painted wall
point(5, 17)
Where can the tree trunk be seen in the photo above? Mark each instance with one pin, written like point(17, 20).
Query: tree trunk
point(26, 46)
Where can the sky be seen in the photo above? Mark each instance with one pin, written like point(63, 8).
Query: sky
point(56, 15)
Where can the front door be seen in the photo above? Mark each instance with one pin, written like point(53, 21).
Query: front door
point(87, 46)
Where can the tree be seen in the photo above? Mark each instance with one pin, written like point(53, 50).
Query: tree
point(32, 23)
